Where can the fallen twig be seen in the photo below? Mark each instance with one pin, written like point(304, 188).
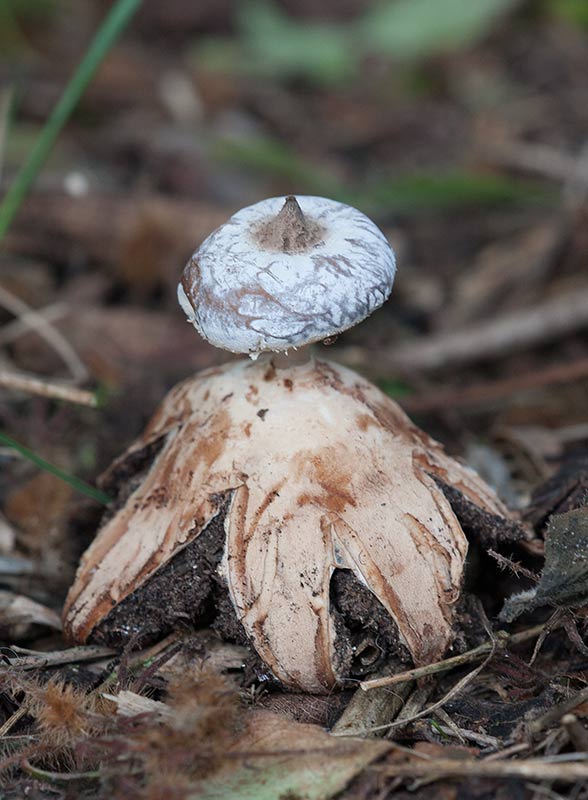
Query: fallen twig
point(512, 750)
point(502, 639)
point(31, 384)
point(54, 658)
point(453, 692)
point(515, 567)
point(491, 391)
point(47, 331)
point(58, 777)
point(502, 335)
point(370, 710)
point(463, 734)
point(13, 330)
point(533, 768)
point(13, 719)
point(576, 731)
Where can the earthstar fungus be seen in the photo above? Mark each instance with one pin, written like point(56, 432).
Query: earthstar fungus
point(313, 470)
point(277, 276)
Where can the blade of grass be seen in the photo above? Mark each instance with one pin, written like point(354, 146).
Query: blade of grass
point(113, 25)
point(76, 483)
point(6, 111)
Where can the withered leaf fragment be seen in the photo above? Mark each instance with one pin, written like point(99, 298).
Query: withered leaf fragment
point(564, 580)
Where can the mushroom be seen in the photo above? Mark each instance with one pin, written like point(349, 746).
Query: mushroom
point(275, 277)
point(300, 470)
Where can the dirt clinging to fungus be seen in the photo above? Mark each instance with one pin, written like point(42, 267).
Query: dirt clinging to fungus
point(187, 593)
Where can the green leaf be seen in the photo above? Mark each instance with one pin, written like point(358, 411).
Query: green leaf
point(573, 11)
point(285, 47)
point(403, 194)
point(273, 45)
point(444, 191)
point(416, 29)
point(394, 387)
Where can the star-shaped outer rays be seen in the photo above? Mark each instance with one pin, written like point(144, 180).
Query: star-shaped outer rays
point(324, 472)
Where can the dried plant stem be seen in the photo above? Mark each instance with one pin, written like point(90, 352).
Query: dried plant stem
point(576, 731)
point(13, 719)
point(143, 658)
point(47, 331)
point(453, 692)
point(488, 392)
point(22, 324)
point(30, 660)
point(32, 384)
point(512, 750)
point(411, 710)
point(57, 777)
point(532, 769)
point(502, 638)
point(463, 734)
point(489, 339)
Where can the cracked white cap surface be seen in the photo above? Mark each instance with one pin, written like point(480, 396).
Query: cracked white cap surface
point(286, 272)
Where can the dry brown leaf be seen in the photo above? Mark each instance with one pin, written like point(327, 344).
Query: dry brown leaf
point(275, 757)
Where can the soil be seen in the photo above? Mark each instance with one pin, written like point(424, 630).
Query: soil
point(179, 595)
point(486, 529)
point(367, 636)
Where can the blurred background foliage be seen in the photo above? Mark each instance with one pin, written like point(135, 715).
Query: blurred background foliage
point(274, 44)
point(387, 52)
point(459, 125)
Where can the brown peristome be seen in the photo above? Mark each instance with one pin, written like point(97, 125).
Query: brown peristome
point(324, 472)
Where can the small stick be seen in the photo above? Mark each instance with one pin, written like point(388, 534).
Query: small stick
point(488, 392)
point(52, 659)
point(502, 638)
point(413, 706)
point(481, 739)
point(512, 331)
point(31, 384)
point(515, 567)
point(448, 726)
point(141, 658)
point(13, 330)
point(533, 769)
point(13, 719)
point(453, 692)
point(512, 750)
point(58, 777)
point(47, 331)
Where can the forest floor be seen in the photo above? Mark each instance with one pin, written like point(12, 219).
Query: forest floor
point(473, 159)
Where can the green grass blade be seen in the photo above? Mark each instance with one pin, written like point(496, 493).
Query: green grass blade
point(76, 483)
point(113, 25)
